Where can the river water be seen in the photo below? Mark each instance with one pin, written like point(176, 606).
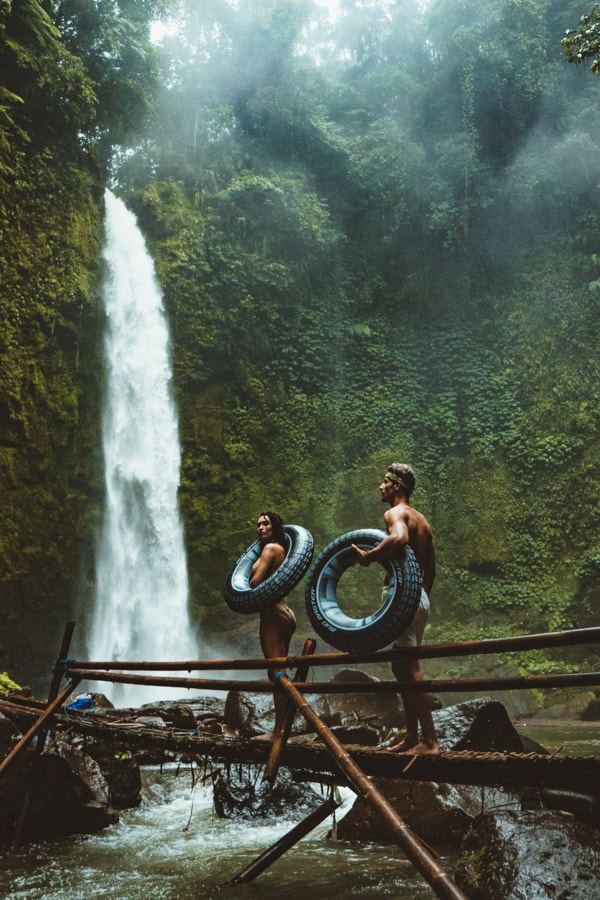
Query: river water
point(174, 847)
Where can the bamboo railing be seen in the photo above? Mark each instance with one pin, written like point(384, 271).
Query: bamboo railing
point(465, 685)
point(571, 638)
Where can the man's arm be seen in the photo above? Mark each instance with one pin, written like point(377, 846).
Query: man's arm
point(392, 543)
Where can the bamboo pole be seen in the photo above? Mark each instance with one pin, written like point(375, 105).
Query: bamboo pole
point(35, 728)
point(410, 843)
point(464, 685)
point(59, 671)
point(285, 726)
point(521, 682)
point(485, 646)
point(284, 843)
point(61, 662)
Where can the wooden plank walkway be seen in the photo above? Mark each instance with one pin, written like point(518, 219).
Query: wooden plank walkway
point(309, 760)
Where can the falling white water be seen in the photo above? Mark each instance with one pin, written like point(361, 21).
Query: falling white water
point(141, 604)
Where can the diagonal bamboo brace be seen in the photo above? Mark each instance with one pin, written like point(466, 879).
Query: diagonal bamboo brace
point(414, 849)
point(284, 843)
point(285, 726)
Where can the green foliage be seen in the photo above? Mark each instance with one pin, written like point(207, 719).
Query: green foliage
point(388, 252)
point(112, 42)
point(7, 684)
point(583, 43)
point(359, 284)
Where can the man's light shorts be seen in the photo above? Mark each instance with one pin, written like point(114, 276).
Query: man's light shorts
point(413, 635)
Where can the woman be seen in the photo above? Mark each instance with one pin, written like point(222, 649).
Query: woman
point(277, 622)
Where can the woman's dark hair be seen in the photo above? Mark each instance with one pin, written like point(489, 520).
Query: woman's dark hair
point(277, 525)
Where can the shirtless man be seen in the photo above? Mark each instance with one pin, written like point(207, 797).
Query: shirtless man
point(278, 622)
point(405, 525)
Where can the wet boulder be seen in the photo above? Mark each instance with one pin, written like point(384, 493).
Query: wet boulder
point(61, 792)
point(383, 710)
point(181, 715)
point(252, 714)
point(249, 714)
point(481, 725)
point(119, 769)
point(9, 735)
point(517, 854)
point(441, 812)
point(592, 711)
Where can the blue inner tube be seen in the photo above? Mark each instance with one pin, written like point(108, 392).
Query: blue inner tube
point(388, 621)
point(242, 598)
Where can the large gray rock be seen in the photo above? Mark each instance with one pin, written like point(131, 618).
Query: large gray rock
point(592, 712)
point(252, 714)
point(528, 855)
point(480, 725)
point(441, 812)
point(383, 710)
point(9, 735)
point(57, 793)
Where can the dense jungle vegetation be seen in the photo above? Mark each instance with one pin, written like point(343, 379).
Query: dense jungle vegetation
point(378, 238)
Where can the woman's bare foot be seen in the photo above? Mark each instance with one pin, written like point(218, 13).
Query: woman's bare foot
point(263, 737)
point(416, 748)
point(404, 746)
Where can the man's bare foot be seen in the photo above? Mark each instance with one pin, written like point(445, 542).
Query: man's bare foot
point(263, 737)
point(416, 748)
point(426, 749)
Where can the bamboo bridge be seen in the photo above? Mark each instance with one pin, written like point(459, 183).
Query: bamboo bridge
point(330, 761)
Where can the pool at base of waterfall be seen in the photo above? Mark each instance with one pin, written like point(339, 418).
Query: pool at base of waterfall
point(174, 847)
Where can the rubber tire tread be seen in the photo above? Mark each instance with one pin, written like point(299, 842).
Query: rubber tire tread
point(383, 626)
point(242, 598)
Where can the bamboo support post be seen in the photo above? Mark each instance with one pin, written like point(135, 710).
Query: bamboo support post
point(61, 662)
point(59, 671)
point(282, 732)
point(284, 843)
point(573, 637)
point(41, 732)
point(413, 847)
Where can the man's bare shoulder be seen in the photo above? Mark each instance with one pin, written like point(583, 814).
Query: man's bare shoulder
point(414, 520)
point(399, 513)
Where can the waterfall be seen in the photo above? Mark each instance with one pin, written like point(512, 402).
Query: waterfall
point(141, 602)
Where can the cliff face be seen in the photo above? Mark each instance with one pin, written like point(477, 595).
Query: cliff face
point(50, 384)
